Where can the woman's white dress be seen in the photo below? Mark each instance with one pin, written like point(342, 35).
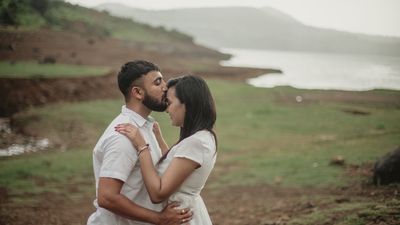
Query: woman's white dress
point(201, 148)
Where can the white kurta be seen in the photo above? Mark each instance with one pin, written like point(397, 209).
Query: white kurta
point(201, 148)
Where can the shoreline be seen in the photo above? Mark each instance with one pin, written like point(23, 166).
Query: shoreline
point(320, 71)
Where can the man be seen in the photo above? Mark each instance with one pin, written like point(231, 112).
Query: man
point(122, 198)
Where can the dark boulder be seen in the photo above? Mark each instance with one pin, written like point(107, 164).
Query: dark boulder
point(48, 60)
point(387, 168)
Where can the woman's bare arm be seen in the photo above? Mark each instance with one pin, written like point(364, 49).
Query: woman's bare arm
point(159, 188)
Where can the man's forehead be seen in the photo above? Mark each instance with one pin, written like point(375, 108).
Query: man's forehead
point(153, 75)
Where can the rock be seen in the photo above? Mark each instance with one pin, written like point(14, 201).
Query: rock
point(269, 222)
point(36, 50)
point(356, 112)
point(11, 47)
point(91, 41)
point(48, 60)
point(337, 160)
point(342, 200)
point(387, 168)
point(278, 180)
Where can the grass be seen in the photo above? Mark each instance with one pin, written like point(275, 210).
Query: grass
point(352, 213)
point(44, 172)
point(269, 140)
point(318, 216)
point(261, 139)
point(36, 70)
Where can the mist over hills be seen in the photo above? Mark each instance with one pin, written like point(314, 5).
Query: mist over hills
point(257, 28)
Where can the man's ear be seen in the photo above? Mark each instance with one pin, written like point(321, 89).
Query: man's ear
point(137, 93)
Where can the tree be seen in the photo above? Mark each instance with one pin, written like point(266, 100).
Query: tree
point(40, 6)
point(8, 12)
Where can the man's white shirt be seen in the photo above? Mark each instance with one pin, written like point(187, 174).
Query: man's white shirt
point(115, 157)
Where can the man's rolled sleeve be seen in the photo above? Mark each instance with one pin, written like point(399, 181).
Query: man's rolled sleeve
point(119, 158)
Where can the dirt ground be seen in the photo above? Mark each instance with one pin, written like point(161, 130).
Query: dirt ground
point(241, 205)
point(245, 205)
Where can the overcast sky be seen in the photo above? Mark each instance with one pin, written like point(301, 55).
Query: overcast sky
point(363, 16)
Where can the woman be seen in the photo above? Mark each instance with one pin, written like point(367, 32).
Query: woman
point(184, 169)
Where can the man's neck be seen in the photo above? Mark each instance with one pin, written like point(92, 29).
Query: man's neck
point(139, 109)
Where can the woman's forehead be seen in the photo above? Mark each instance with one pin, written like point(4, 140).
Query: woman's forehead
point(171, 92)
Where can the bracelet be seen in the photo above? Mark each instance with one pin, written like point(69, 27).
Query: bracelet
point(142, 151)
point(144, 147)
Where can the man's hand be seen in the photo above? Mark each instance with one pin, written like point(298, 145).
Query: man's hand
point(172, 216)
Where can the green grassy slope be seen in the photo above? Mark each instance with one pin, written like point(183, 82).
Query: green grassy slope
point(260, 140)
point(33, 69)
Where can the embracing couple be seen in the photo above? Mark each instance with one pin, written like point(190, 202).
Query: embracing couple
point(139, 179)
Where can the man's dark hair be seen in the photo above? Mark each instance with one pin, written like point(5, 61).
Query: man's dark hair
point(132, 71)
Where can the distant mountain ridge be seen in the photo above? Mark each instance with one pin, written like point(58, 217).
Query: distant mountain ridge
point(264, 28)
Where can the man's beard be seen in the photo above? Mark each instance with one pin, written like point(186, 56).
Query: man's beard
point(155, 105)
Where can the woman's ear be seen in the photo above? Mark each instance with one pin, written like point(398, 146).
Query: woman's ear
point(137, 93)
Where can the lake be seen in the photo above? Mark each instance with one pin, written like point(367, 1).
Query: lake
point(309, 70)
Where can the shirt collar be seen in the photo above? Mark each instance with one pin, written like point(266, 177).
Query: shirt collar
point(135, 117)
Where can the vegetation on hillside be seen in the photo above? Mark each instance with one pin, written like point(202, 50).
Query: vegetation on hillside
point(36, 70)
point(59, 15)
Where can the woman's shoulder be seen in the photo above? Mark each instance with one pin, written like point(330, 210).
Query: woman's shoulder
point(202, 139)
point(202, 136)
point(200, 147)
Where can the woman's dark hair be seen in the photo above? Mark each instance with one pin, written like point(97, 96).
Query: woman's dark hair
point(131, 71)
point(200, 106)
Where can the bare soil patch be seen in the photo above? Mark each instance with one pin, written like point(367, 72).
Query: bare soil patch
point(252, 205)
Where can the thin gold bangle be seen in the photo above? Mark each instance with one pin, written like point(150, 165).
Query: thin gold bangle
point(143, 148)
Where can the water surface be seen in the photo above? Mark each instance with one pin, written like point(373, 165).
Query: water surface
point(308, 70)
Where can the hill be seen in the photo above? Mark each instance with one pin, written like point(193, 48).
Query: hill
point(59, 15)
point(55, 32)
point(32, 30)
point(264, 28)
